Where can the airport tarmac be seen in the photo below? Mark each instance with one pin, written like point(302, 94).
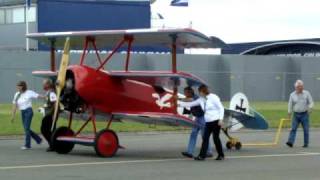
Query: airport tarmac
point(156, 156)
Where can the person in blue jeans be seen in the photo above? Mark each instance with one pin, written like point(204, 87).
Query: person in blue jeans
point(23, 101)
point(299, 107)
point(199, 126)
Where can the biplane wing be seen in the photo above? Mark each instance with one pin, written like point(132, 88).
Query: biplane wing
point(185, 38)
point(45, 74)
point(154, 78)
point(159, 78)
point(155, 118)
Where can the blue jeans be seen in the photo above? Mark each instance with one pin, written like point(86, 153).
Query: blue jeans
point(199, 126)
point(27, 115)
point(298, 118)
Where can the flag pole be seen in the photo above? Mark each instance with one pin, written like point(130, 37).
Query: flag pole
point(27, 25)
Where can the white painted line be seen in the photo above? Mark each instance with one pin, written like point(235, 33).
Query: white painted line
point(273, 155)
point(90, 163)
point(152, 160)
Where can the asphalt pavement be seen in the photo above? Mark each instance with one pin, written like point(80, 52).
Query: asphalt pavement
point(156, 156)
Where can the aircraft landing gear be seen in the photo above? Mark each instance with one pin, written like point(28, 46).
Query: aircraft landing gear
point(232, 142)
point(62, 147)
point(106, 143)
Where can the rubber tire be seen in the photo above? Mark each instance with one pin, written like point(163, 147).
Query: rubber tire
point(229, 145)
point(60, 146)
point(238, 145)
point(106, 143)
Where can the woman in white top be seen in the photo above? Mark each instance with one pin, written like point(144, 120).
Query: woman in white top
point(23, 101)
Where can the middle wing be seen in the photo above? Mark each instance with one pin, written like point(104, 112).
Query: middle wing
point(155, 118)
point(159, 78)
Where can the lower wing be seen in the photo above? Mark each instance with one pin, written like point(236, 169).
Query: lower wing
point(156, 118)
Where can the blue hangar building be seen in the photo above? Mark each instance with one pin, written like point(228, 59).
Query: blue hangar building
point(67, 15)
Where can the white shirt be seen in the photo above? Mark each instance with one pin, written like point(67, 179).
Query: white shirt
point(52, 96)
point(25, 100)
point(211, 105)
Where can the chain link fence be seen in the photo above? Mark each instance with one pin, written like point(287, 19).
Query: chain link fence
point(260, 78)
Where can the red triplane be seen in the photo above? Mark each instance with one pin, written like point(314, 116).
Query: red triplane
point(144, 96)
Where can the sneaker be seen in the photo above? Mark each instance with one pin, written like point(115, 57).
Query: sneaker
point(289, 144)
point(305, 146)
point(219, 158)
point(25, 148)
point(186, 154)
point(199, 158)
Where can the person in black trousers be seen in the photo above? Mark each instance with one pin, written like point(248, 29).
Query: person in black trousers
point(46, 123)
point(214, 113)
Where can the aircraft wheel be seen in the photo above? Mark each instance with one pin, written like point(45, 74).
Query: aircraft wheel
point(62, 147)
point(106, 143)
point(238, 145)
point(229, 145)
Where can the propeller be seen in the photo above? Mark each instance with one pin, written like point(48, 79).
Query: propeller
point(61, 78)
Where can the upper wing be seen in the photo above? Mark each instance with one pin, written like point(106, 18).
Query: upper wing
point(45, 74)
point(186, 38)
point(255, 121)
point(159, 78)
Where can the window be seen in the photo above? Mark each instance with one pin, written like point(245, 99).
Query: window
point(12, 15)
point(18, 15)
point(32, 14)
point(2, 16)
point(8, 16)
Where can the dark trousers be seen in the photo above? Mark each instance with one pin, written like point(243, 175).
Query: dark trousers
point(214, 128)
point(46, 127)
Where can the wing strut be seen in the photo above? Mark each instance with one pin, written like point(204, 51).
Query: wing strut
point(174, 69)
point(116, 48)
point(129, 39)
point(52, 55)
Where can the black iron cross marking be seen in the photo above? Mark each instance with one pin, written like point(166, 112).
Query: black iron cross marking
point(241, 108)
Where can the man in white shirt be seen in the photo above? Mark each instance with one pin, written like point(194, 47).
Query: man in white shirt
point(214, 112)
point(300, 105)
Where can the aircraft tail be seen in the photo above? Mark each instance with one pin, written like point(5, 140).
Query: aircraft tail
point(244, 115)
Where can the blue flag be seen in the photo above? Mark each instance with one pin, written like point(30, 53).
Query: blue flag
point(28, 3)
point(179, 3)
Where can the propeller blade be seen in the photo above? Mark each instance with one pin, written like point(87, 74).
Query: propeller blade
point(61, 78)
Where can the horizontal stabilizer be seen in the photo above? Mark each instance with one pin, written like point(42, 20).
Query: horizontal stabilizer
point(255, 121)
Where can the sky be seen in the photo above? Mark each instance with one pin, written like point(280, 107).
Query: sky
point(245, 20)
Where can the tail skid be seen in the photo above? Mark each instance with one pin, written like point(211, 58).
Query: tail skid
point(235, 142)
